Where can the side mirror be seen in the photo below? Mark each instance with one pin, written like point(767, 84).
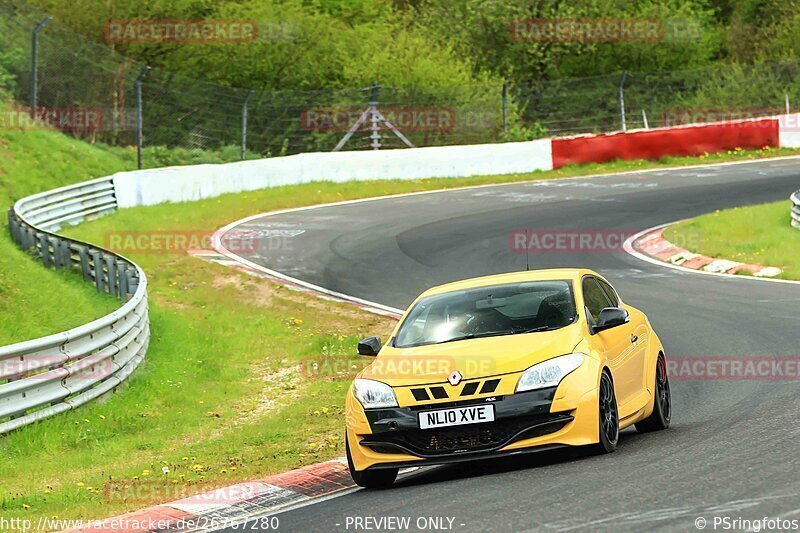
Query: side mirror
point(369, 346)
point(611, 317)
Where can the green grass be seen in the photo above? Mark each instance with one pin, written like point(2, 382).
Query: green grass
point(31, 161)
point(221, 396)
point(760, 234)
point(35, 301)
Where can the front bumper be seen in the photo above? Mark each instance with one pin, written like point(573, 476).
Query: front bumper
point(518, 416)
point(566, 415)
point(524, 422)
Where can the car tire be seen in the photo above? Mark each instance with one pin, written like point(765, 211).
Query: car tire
point(609, 414)
point(662, 406)
point(370, 479)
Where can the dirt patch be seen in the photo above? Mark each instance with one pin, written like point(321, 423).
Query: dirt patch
point(283, 383)
point(338, 317)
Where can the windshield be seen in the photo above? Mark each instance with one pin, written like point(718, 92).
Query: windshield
point(488, 311)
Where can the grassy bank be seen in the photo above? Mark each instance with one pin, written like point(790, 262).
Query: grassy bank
point(224, 394)
point(30, 162)
point(35, 160)
point(759, 234)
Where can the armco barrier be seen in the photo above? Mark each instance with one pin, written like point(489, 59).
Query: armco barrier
point(49, 375)
point(795, 209)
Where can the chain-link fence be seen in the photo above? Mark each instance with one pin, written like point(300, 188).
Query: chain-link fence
point(92, 92)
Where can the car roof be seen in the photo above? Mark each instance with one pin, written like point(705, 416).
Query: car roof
point(511, 277)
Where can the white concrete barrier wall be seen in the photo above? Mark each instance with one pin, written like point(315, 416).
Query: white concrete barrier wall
point(189, 183)
point(182, 184)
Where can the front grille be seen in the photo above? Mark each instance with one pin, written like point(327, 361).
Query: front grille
point(439, 393)
point(470, 387)
point(468, 438)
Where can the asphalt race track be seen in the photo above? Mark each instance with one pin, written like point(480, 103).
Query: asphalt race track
point(733, 448)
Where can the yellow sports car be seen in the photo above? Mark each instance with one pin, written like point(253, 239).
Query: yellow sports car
point(501, 365)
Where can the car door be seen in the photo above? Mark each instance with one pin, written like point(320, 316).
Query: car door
point(640, 341)
point(616, 344)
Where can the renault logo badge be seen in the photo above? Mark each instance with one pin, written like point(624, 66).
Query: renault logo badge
point(454, 378)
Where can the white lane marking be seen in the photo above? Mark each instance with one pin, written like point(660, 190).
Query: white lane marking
point(217, 244)
point(785, 316)
point(242, 521)
point(628, 247)
point(405, 473)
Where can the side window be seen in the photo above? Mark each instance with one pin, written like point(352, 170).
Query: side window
point(610, 292)
point(594, 297)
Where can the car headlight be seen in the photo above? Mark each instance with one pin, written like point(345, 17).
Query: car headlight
point(374, 394)
point(549, 373)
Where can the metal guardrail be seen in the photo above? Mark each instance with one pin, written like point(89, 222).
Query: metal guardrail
point(795, 197)
point(42, 377)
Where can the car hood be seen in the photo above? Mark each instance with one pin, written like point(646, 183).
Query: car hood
point(473, 358)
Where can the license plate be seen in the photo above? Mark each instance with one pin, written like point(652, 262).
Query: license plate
point(457, 416)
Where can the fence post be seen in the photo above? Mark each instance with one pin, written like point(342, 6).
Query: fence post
point(786, 97)
point(139, 80)
point(244, 122)
point(505, 107)
point(44, 243)
point(622, 99)
point(84, 255)
point(373, 105)
point(97, 263)
point(13, 226)
point(34, 63)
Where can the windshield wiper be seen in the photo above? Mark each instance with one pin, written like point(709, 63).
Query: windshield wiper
point(534, 330)
point(496, 334)
point(477, 336)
